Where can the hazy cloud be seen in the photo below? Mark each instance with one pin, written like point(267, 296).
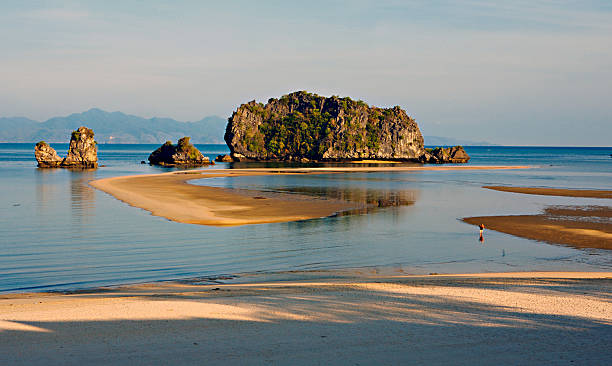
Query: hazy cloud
point(468, 69)
point(57, 14)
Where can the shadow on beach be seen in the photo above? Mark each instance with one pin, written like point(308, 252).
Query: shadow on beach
point(396, 321)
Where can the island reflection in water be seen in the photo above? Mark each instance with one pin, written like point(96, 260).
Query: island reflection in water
point(52, 192)
point(367, 199)
point(360, 191)
point(82, 196)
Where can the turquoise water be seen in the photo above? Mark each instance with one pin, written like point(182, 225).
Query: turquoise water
point(57, 233)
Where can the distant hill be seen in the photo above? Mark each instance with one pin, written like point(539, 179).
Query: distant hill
point(121, 128)
point(448, 141)
point(112, 127)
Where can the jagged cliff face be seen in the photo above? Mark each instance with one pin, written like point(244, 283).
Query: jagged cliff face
point(83, 150)
point(82, 153)
point(46, 156)
point(302, 126)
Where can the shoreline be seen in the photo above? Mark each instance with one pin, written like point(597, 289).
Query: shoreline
point(506, 316)
point(169, 195)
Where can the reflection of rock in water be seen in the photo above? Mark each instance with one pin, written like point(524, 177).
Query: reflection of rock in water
point(82, 196)
point(366, 199)
point(45, 190)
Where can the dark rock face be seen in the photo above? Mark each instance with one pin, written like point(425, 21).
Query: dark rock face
point(46, 156)
point(301, 126)
point(224, 158)
point(439, 155)
point(183, 153)
point(83, 150)
point(82, 153)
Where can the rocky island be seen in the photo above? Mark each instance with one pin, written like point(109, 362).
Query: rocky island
point(302, 126)
point(181, 154)
point(82, 153)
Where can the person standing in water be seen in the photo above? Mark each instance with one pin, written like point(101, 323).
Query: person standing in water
point(481, 227)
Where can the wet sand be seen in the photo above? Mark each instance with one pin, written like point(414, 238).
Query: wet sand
point(325, 318)
point(169, 195)
point(578, 226)
point(586, 193)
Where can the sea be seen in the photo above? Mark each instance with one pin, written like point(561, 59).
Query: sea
point(57, 233)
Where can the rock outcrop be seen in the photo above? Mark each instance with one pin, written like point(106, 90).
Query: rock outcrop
point(46, 156)
point(181, 154)
point(307, 127)
point(82, 153)
point(224, 158)
point(83, 150)
point(440, 155)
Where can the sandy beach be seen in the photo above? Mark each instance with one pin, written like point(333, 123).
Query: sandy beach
point(345, 318)
point(170, 195)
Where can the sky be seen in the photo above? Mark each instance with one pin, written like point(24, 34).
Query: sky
point(507, 72)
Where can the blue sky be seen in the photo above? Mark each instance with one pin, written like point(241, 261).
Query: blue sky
point(508, 72)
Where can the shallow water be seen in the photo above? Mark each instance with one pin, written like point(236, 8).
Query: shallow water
point(59, 233)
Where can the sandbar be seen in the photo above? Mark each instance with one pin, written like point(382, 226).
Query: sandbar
point(577, 226)
point(586, 193)
point(169, 195)
point(529, 318)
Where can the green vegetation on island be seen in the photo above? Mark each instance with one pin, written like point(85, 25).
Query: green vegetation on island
point(304, 125)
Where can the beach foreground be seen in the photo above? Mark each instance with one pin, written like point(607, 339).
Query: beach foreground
point(321, 318)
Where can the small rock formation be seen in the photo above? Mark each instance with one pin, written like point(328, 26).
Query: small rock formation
point(440, 155)
point(224, 158)
point(183, 153)
point(308, 127)
point(46, 156)
point(82, 153)
point(83, 150)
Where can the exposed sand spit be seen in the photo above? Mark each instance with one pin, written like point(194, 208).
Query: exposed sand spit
point(169, 195)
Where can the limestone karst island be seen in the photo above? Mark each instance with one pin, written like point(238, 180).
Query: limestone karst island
point(308, 127)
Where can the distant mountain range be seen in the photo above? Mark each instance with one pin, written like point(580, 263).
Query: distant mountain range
point(112, 127)
point(448, 141)
point(121, 128)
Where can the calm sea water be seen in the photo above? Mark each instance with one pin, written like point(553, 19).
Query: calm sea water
point(58, 233)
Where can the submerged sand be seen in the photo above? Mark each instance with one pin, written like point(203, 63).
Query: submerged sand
point(327, 318)
point(170, 195)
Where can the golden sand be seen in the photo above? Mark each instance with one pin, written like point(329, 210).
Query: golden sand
point(169, 195)
point(578, 226)
point(586, 193)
